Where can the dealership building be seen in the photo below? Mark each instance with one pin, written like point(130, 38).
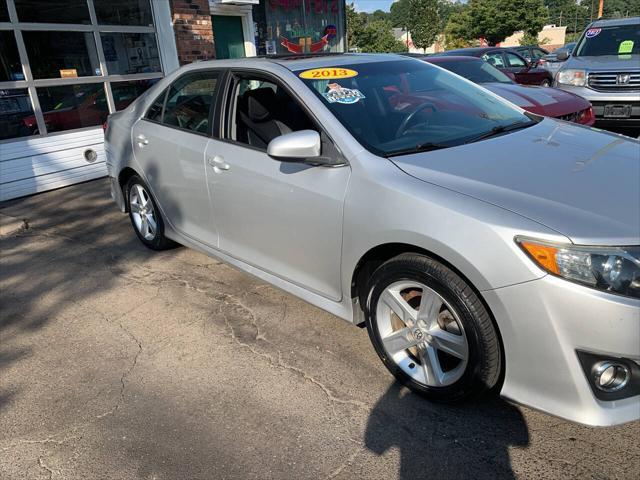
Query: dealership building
point(66, 64)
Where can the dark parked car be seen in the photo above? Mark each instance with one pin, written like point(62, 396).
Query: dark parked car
point(551, 61)
point(531, 53)
point(550, 102)
point(510, 62)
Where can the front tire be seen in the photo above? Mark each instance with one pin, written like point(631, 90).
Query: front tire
point(145, 215)
point(431, 330)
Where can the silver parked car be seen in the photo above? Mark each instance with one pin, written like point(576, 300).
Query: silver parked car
point(604, 68)
point(482, 246)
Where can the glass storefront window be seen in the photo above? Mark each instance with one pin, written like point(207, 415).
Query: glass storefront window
point(127, 53)
point(299, 26)
point(123, 12)
point(16, 114)
point(73, 106)
point(4, 12)
point(53, 11)
point(10, 66)
point(54, 54)
point(126, 92)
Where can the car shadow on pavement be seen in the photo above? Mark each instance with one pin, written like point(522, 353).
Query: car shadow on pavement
point(470, 440)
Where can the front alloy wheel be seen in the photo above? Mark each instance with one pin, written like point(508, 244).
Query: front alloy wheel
point(431, 330)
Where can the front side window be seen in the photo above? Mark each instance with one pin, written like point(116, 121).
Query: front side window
point(620, 40)
point(126, 92)
point(262, 110)
point(73, 106)
point(515, 61)
point(55, 54)
point(399, 106)
point(494, 58)
point(16, 114)
point(478, 71)
point(189, 102)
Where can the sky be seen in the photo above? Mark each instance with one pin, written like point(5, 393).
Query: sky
point(372, 5)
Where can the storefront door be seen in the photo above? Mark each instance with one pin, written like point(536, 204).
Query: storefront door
point(229, 39)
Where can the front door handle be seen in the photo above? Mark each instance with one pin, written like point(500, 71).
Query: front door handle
point(218, 164)
point(142, 140)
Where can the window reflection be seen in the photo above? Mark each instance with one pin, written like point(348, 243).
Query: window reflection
point(10, 66)
point(123, 12)
point(61, 54)
point(53, 11)
point(127, 53)
point(73, 106)
point(4, 12)
point(126, 92)
point(16, 114)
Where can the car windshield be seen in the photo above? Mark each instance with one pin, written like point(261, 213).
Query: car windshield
point(478, 71)
point(404, 106)
point(620, 40)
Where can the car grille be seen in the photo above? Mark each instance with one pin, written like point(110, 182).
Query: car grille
point(615, 81)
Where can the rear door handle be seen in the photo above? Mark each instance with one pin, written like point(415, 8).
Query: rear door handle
point(218, 163)
point(142, 140)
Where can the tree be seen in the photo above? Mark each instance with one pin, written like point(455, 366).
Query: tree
point(377, 36)
point(532, 16)
point(457, 31)
point(423, 23)
point(379, 15)
point(400, 13)
point(355, 24)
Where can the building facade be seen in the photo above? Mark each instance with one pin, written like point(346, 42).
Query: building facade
point(66, 64)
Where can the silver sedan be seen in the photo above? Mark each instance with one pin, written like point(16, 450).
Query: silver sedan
point(484, 248)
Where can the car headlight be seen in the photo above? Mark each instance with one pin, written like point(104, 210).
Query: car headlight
point(570, 76)
point(612, 269)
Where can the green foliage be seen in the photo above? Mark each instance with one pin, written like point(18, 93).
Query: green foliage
point(355, 24)
point(400, 13)
point(377, 36)
point(528, 39)
point(456, 32)
point(424, 23)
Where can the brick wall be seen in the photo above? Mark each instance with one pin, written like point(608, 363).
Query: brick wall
point(193, 30)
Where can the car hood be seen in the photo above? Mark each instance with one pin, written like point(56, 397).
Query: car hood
point(604, 63)
point(550, 102)
point(578, 181)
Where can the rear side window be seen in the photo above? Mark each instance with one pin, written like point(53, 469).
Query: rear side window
point(494, 58)
point(155, 111)
point(187, 103)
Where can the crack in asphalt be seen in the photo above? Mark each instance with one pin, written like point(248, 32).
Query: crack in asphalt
point(45, 467)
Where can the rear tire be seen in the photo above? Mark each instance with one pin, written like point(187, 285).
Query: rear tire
point(446, 347)
point(145, 215)
point(545, 83)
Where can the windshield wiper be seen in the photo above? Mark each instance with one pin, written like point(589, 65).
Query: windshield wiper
point(500, 129)
point(421, 147)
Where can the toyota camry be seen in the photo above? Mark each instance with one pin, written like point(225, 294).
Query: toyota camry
point(482, 246)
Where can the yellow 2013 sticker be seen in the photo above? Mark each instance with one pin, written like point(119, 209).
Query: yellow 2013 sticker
point(626, 46)
point(328, 73)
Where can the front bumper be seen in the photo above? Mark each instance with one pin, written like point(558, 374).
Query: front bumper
point(544, 323)
point(600, 99)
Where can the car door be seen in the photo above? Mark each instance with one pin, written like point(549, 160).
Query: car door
point(518, 66)
point(169, 144)
point(281, 217)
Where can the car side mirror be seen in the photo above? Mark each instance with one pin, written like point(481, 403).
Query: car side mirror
point(562, 56)
point(300, 146)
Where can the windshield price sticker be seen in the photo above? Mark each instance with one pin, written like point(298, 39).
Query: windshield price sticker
point(339, 94)
point(593, 32)
point(328, 73)
point(626, 47)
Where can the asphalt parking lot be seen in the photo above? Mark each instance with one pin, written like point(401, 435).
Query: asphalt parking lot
point(118, 362)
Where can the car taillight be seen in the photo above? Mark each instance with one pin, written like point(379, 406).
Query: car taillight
point(586, 117)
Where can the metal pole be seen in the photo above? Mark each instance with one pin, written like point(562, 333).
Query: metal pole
point(600, 8)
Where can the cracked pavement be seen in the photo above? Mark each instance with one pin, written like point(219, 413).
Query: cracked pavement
point(117, 362)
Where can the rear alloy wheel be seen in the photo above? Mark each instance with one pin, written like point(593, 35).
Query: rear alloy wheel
point(145, 216)
point(545, 83)
point(431, 330)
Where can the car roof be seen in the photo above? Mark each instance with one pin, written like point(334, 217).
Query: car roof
point(302, 62)
point(451, 59)
point(615, 22)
